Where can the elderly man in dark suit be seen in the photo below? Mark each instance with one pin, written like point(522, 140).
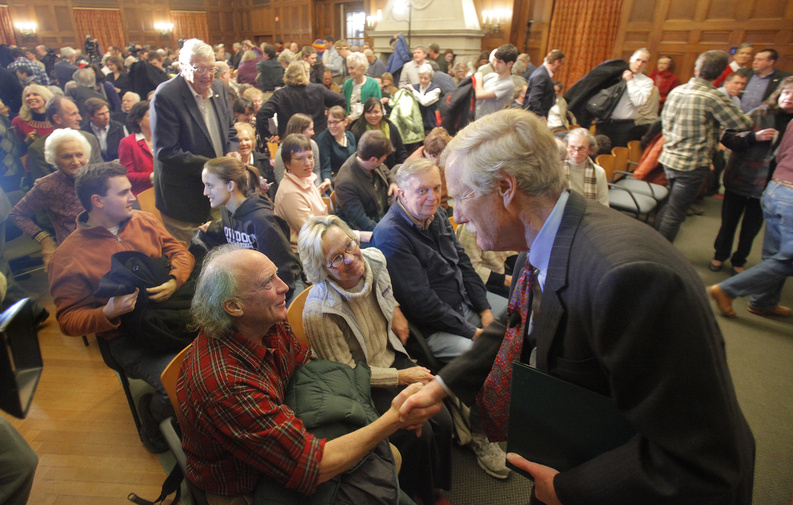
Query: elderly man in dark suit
point(622, 314)
point(191, 123)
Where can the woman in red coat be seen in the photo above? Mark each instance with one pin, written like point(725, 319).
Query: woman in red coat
point(135, 150)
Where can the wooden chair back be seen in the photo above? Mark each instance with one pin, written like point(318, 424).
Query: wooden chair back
point(171, 374)
point(328, 204)
point(333, 200)
point(294, 315)
point(634, 151)
point(609, 164)
point(621, 158)
point(146, 201)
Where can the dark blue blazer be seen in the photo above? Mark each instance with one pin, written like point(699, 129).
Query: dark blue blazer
point(182, 146)
point(540, 94)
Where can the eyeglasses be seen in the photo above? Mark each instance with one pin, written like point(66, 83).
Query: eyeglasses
point(577, 149)
point(337, 260)
point(334, 123)
point(205, 70)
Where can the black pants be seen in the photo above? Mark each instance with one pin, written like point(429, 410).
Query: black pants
point(732, 209)
point(426, 460)
point(620, 131)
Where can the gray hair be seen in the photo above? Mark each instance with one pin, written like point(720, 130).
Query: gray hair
point(411, 168)
point(358, 60)
point(511, 141)
point(222, 67)
point(582, 132)
point(309, 245)
point(216, 284)
point(67, 52)
point(711, 64)
point(85, 77)
point(194, 47)
point(286, 56)
point(58, 137)
point(133, 95)
point(425, 68)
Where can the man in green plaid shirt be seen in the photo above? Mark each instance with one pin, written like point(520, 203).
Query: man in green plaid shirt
point(692, 118)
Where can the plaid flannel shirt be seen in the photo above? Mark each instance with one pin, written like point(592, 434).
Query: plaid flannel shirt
point(236, 430)
point(692, 117)
point(34, 70)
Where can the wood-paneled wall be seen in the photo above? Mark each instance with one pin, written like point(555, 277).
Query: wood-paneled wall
point(683, 29)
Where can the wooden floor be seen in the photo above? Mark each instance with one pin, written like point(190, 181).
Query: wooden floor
point(89, 450)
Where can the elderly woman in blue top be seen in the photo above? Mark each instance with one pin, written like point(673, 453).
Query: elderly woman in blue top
point(351, 317)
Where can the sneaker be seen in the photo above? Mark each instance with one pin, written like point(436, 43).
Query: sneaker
point(491, 458)
point(150, 433)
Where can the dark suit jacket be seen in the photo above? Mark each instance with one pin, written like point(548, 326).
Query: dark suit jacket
point(64, 70)
point(38, 166)
point(356, 194)
point(312, 100)
point(115, 132)
point(624, 314)
point(602, 76)
point(79, 94)
point(182, 145)
point(773, 84)
point(540, 94)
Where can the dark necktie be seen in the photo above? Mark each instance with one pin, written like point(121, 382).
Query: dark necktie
point(493, 398)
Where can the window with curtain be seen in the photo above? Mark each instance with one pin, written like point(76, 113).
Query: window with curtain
point(104, 25)
point(190, 25)
point(6, 27)
point(585, 31)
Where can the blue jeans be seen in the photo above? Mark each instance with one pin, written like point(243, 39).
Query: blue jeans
point(683, 190)
point(764, 281)
point(445, 345)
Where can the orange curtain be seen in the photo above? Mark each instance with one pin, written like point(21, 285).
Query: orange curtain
point(6, 27)
point(190, 25)
point(585, 31)
point(104, 25)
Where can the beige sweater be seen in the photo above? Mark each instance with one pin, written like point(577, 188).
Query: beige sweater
point(332, 338)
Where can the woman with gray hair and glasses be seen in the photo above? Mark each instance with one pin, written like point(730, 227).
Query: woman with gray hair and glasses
point(351, 317)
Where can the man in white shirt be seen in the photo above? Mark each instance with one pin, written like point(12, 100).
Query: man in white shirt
point(495, 90)
point(639, 87)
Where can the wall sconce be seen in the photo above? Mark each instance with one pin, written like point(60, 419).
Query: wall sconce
point(165, 29)
point(492, 20)
point(27, 30)
point(371, 21)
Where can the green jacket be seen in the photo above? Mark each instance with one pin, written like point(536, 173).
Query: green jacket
point(332, 400)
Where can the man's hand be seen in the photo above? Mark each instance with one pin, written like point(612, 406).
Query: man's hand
point(487, 317)
point(48, 247)
point(627, 75)
point(414, 374)
point(507, 280)
point(399, 324)
point(764, 135)
point(409, 87)
point(31, 137)
point(324, 186)
point(410, 400)
point(235, 155)
point(120, 305)
point(162, 292)
point(418, 413)
point(543, 478)
point(477, 333)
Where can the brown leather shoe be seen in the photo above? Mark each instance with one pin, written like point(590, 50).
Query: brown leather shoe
point(723, 301)
point(778, 311)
